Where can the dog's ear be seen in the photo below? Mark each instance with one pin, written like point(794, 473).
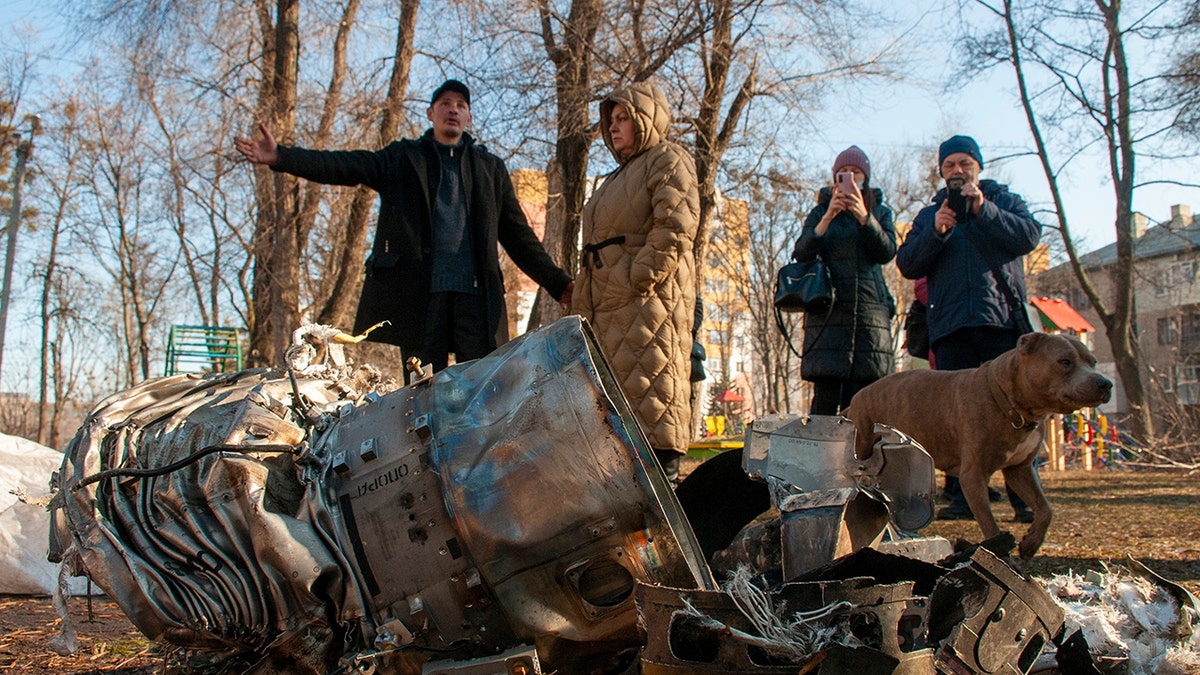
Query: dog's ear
point(1029, 342)
point(1085, 354)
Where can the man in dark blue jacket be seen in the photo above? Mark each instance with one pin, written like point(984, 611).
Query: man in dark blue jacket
point(445, 203)
point(969, 317)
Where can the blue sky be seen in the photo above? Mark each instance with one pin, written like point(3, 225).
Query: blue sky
point(892, 122)
point(904, 118)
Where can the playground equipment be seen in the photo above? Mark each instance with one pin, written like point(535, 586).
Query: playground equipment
point(213, 349)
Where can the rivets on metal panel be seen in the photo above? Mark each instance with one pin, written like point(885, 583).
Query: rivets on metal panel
point(367, 450)
point(340, 463)
point(421, 425)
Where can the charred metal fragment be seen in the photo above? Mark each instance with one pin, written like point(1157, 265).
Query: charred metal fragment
point(988, 618)
point(857, 627)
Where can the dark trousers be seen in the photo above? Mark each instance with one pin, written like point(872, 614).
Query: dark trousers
point(454, 323)
point(832, 396)
point(968, 348)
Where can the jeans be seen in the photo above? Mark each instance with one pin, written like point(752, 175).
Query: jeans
point(454, 323)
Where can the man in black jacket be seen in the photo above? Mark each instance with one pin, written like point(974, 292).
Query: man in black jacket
point(445, 202)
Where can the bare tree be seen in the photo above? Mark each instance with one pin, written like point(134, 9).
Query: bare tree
point(276, 292)
point(346, 265)
point(1074, 74)
point(63, 186)
point(743, 39)
point(1183, 80)
point(778, 203)
point(117, 172)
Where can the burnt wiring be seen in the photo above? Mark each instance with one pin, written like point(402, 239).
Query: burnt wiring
point(177, 465)
point(364, 662)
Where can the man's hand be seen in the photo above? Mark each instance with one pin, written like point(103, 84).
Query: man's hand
point(945, 219)
point(264, 151)
point(567, 294)
point(974, 197)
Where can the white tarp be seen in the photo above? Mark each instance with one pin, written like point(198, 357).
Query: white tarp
point(24, 528)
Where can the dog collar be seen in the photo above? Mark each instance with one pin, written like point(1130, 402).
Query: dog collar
point(1014, 416)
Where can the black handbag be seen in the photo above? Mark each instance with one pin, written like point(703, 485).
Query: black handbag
point(804, 287)
point(916, 330)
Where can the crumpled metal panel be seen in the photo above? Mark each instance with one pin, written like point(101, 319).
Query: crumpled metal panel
point(555, 503)
point(503, 501)
point(816, 454)
point(230, 556)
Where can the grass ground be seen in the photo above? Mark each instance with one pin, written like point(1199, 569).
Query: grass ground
point(1099, 516)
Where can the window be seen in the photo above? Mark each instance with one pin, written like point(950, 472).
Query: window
point(1175, 274)
point(1168, 330)
point(1187, 384)
point(1078, 299)
point(716, 337)
point(1185, 271)
point(1187, 375)
point(716, 286)
point(1189, 331)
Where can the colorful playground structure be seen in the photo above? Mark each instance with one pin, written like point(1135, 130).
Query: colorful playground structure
point(1086, 440)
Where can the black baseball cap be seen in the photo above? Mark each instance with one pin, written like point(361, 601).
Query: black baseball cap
point(451, 86)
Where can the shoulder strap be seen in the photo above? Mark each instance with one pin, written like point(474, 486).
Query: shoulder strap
point(1015, 306)
point(779, 323)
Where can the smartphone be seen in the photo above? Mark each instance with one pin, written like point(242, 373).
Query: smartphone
point(845, 182)
point(954, 196)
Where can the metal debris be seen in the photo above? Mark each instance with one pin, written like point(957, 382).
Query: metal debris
point(506, 503)
point(833, 503)
point(506, 515)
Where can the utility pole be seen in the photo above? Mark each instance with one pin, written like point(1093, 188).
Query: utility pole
point(24, 152)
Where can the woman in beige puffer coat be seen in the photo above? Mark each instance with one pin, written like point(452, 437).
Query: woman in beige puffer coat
point(637, 279)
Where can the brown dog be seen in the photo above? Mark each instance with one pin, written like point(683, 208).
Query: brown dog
point(975, 422)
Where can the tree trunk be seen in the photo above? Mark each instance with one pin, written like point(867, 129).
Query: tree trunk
point(339, 307)
point(48, 280)
point(1113, 115)
point(571, 54)
point(276, 244)
point(333, 99)
point(1122, 158)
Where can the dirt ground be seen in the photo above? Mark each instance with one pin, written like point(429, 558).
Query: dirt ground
point(1100, 516)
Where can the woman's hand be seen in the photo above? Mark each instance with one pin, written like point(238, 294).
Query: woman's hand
point(830, 213)
point(853, 202)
